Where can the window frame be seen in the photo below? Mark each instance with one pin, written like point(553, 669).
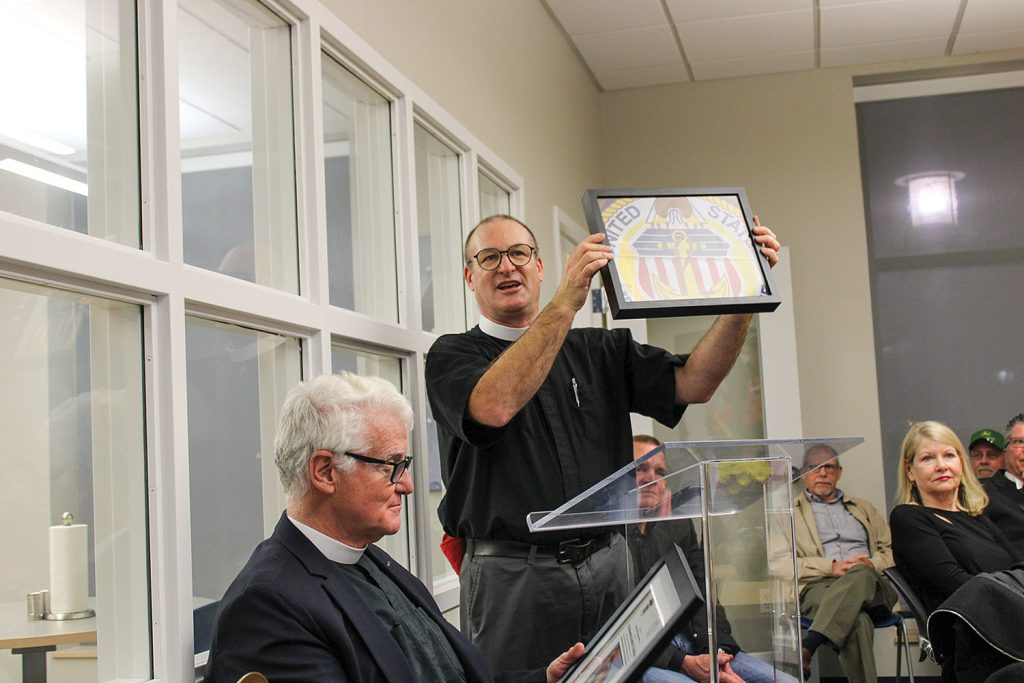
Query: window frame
point(156, 277)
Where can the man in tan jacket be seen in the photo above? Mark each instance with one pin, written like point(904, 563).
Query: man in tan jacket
point(842, 546)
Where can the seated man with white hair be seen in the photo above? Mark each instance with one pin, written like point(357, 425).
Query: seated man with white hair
point(317, 601)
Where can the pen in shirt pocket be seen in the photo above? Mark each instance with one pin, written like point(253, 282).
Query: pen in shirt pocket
point(576, 391)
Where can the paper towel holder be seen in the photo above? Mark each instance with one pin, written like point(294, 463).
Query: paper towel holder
point(67, 519)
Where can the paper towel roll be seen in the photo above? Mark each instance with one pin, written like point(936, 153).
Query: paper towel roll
point(69, 568)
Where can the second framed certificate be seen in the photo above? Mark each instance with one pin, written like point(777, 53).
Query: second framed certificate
point(680, 252)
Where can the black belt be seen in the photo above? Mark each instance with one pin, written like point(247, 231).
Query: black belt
point(571, 551)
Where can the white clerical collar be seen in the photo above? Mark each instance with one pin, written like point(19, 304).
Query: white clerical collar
point(333, 550)
point(1015, 479)
point(501, 331)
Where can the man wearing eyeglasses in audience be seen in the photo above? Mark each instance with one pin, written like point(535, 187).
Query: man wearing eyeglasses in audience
point(317, 601)
point(531, 413)
point(1004, 488)
point(842, 546)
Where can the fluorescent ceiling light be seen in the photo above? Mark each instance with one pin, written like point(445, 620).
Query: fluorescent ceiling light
point(43, 176)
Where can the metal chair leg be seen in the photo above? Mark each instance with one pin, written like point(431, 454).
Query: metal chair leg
point(906, 651)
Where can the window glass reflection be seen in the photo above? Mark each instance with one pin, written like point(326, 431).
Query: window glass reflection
point(738, 409)
point(435, 489)
point(360, 195)
point(72, 419)
point(494, 199)
point(237, 380)
point(439, 217)
point(58, 165)
point(237, 141)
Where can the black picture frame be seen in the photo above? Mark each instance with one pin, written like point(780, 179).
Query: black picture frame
point(680, 252)
point(639, 630)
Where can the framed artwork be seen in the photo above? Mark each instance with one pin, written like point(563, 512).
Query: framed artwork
point(680, 252)
point(642, 626)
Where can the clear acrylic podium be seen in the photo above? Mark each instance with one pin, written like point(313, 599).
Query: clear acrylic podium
point(739, 498)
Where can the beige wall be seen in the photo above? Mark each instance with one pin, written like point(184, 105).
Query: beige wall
point(505, 72)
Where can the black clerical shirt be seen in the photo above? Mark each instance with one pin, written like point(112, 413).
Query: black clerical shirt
point(574, 432)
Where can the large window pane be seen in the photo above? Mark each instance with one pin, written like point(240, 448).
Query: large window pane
point(942, 184)
point(237, 141)
point(237, 380)
point(440, 234)
point(68, 122)
point(494, 199)
point(360, 195)
point(367, 363)
point(71, 415)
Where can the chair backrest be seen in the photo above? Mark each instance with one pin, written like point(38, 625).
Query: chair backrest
point(913, 604)
point(253, 677)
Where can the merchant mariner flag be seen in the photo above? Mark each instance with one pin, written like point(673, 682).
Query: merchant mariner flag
point(680, 252)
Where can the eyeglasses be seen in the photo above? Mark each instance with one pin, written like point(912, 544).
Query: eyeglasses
point(490, 258)
point(398, 467)
point(1015, 443)
point(829, 467)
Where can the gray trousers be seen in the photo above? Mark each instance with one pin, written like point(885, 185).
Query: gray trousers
point(839, 607)
point(523, 612)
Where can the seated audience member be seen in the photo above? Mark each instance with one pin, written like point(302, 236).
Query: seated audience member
point(986, 451)
point(1005, 497)
point(940, 538)
point(842, 546)
point(648, 542)
point(317, 601)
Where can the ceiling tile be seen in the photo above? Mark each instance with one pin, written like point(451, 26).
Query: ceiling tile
point(752, 66)
point(700, 10)
point(986, 42)
point(992, 15)
point(883, 52)
point(628, 49)
point(639, 78)
point(740, 37)
point(602, 16)
point(885, 21)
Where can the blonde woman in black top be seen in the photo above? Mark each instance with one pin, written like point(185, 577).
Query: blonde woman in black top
point(940, 540)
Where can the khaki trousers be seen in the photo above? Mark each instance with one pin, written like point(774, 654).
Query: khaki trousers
point(840, 609)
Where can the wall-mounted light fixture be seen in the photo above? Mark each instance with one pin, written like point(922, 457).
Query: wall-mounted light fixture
point(932, 196)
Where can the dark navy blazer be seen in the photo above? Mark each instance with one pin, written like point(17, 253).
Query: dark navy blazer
point(292, 615)
point(1005, 507)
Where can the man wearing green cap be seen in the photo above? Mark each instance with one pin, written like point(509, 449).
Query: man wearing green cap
point(986, 451)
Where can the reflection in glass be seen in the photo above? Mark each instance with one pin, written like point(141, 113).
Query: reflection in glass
point(440, 228)
point(360, 195)
point(435, 489)
point(237, 141)
point(738, 496)
point(367, 363)
point(58, 165)
point(237, 380)
point(737, 411)
point(493, 198)
point(72, 419)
